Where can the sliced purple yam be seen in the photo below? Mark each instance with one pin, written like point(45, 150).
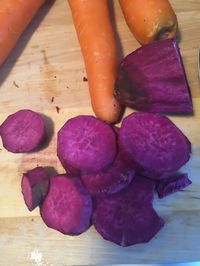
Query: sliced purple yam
point(23, 131)
point(172, 184)
point(67, 207)
point(127, 218)
point(115, 178)
point(155, 143)
point(86, 144)
point(34, 185)
point(153, 79)
point(143, 189)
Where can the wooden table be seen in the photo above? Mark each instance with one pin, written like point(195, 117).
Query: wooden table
point(45, 73)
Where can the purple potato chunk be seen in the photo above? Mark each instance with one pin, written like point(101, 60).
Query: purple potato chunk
point(34, 186)
point(153, 79)
point(127, 218)
point(67, 207)
point(86, 144)
point(23, 131)
point(155, 143)
point(115, 178)
point(172, 184)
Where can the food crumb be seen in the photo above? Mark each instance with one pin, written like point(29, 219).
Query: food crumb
point(52, 99)
point(55, 77)
point(57, 109)
point(32, 220)
point(15, 84)
point(85, 79)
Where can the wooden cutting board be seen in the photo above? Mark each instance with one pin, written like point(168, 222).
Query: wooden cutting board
point(45, 73)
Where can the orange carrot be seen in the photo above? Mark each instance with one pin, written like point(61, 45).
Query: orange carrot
point(97, 41)
point(15, 15)
point(150, 20)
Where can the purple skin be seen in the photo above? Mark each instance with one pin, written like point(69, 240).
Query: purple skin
point(127, 218)
point(67, 207)
point(153, 79)
point(172, 184)
point(154, 143)
point(34, 186)
point(117, 177)
point(86, 145)
point(23, 131)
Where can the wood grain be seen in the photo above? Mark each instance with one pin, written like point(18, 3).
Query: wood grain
point(47, 64)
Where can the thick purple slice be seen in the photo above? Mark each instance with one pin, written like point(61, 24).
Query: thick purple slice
point(67, 206)
point(127, 218)
point(23, 131)
point(155, 143)
point(86, 144)
point(153, 79)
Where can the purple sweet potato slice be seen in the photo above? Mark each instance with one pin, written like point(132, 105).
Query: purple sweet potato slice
point(34, 185)
point(153, 79)
point(67, 206)
point(155, 143)
point(113, 179)
point(86, 144)
point(127, 218)
point(172, 184)
point(23, 131)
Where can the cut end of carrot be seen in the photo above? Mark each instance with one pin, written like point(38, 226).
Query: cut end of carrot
point(107, 111)
point(156, 20)
point(167, 32)
point(163, 30)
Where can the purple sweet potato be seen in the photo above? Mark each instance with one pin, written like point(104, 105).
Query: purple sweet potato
point(153, 79)
point(67, 206)
point(127, 218)
point(172, 184)
point(34, 185)
point(86, 144)
point(23, 131)
point(111, 180)
point(155, 143)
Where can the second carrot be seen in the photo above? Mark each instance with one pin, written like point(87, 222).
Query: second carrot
point(97, 41)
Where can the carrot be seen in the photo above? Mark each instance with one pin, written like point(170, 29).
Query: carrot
point(15, 15)
point(150, 20)
point(97, 41)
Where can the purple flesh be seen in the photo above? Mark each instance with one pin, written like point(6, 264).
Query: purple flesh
point(67, 206)
point(127, 218)
point(23, 131)
point(172, 184)
point(34, 185)
point(117, 177)
point(86, 144)
point(154, 143)
point(153, 79)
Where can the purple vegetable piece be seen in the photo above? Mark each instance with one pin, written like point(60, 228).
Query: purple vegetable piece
point(127, 218)
point(155, 143)
point(144, 189)
point(117, 177)
point(153, 79)
point(86, 144)
point(23, 131)
point(34, 185)
point(172, 184)
point(67, 206)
